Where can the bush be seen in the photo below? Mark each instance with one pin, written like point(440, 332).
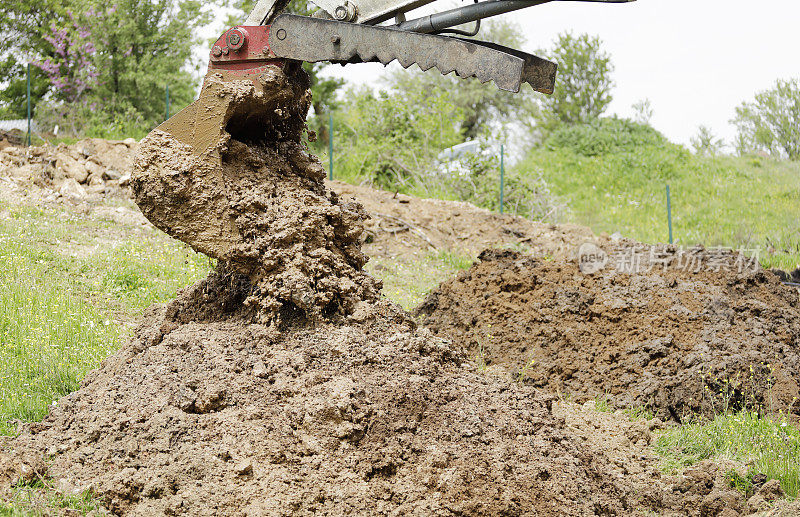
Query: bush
point(604, 136)
point(525, 194)
point(389, 140)
point(83, 119)
point(716, 200)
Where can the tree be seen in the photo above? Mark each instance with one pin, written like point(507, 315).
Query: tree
point(583, 84)
point(392, 139)
point(70, 70)
point(143, 46)
point(23, 25)
point(705, 143)
point(480, 104)
point(771, 123)
point(116, 56)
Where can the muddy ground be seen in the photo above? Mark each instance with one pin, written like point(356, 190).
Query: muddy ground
point(283, 384)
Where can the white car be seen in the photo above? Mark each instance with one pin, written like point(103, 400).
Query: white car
point(452, 161)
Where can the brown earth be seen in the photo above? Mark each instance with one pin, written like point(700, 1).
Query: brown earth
point(400, 226)
point(282, 385)
point(87, 171)
point(366, 417)
point(679, 341)
point(13, 138)
point(792, 277)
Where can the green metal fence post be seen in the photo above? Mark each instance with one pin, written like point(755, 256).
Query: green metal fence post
point(502, 178)
point(29, 105)
point(330, 146)
point(166, 113)
point(669, 214)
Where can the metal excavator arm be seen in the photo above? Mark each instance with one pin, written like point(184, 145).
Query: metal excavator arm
point(345, 32)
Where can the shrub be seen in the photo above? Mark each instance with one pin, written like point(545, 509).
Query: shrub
point(605, 136)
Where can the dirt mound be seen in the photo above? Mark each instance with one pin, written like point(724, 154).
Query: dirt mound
point(681, 341)
point(400, 226)
point(13, 138)
point(89, 168)
point(344, 407)
point(358, 417)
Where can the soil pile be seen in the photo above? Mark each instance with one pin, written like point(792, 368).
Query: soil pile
point(90, 167)
point(401, 226)
point(372, 418)
point(679, 340)
point(282, 385)
point(13, 138)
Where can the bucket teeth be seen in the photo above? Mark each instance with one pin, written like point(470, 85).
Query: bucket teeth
point(315, 39)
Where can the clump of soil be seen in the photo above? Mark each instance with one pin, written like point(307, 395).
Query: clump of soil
point(346, 407)
point(792, 277)
point(261, 209)
point(676, 340)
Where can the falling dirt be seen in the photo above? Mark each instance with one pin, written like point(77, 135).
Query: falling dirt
point(282, 384)
point(262, 210)
point(679, 341)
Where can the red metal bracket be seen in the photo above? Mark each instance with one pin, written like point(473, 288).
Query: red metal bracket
point(244, 50)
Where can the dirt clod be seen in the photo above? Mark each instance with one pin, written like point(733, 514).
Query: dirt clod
point(261, 209)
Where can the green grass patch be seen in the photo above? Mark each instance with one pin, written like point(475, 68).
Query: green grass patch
point(41, 499)
point(69, 287)
point(638, 413)
point(455, 260)
point(602, 404)
point(49, 338)
point(407, 282)
point(614, 179)
point(770, 445)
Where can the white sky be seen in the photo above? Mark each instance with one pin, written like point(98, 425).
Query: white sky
point(696, 60)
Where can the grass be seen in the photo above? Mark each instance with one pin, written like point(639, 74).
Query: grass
point(408, 282)
point(749, 202)
point(638, 413)
point(602, 404)
point(69, 288)
point(41, 499)
point(770, 445)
